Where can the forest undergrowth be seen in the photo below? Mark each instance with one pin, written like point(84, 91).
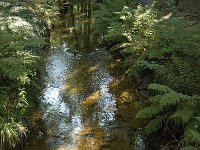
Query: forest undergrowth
point(23, 37)
point(160, 43)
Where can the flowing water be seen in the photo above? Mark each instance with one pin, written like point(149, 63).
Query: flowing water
point(88, 102)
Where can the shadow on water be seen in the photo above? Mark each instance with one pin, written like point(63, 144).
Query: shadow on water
point(76, 19)
point(90, 105)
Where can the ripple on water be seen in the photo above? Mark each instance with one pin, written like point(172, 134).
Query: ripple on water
point(82, 113)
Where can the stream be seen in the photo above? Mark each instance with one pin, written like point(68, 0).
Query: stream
point(88, 103)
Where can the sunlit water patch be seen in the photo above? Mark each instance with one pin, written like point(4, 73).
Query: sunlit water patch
point(82, 111)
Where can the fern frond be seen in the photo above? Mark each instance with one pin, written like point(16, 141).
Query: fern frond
point(159, 53)
point(173, 98)
point(193, 124)
point(155, 99)
point(192, 136)
point(160, 88)
point(150, 111)
point(13, 67)
point(154, 125)
point(185, 113)
point(189, 148)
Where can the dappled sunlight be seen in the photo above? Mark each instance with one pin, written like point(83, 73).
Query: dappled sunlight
point(116, 82)
point(22, 39)
point(5, 4)
point(70, 89)
point(66, 147)
point(17, 24)
point(115, 63)
point(93, 68)
point(167, 16)
point(92, 99)
point(125, 90)
point(36, 116)
point(92, 137)
point(17, 9)
point(74, 73)
point(64, 36)
point(60, 31)
point(74, 91)
point(89, 99)
point(86, 20)
point(126, 97)
point(66, 87)
point(82, 15)
point(99, 74)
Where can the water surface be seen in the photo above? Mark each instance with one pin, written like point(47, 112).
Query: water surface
point(89, 103)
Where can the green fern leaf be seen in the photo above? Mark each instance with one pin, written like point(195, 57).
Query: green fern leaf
point(193, 124)
point(13, 67)
point(150, 111)
point(184, 113)
point(189, 148)
point(155, 99)
point(173, 98)
point(154, 125)
point(158, 53)
point(160, 88)
point(192, 136)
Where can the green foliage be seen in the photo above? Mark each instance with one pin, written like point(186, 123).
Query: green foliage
point(134, 30)
point(11, 134)
point(160, 88)
point(170, 107)
point(173, 62)
point(21, 39)
point(47, 10)
point(106, 14)
point(167, 49)
point(175, 71)
point(192, 136)
point(154, 125)
point(189, 148)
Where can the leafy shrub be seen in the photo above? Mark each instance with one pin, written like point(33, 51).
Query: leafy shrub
point(173, 58)
point(135, 31)
point(20, 41)
point(168, 49)
point(106, 14)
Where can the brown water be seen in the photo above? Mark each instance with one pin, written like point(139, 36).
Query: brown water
point(89, 103)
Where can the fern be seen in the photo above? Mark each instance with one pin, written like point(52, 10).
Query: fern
point(168, 50)
point(11, 134)
point(172, 99)
point(160, 88)
point(127, 30)
point(189, 148)
point(174, 72)
point(185, 113)
point(9, 65)
point(193, 136)
point(106, 15)
point(21, 38)
point(154, 125)
point(3, 102)
point(150, 111)
point(172, 107)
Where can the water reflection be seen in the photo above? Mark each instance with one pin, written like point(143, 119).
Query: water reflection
point(82, 111)
point(76, 18)
point(90, 105)
point(80, 104)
